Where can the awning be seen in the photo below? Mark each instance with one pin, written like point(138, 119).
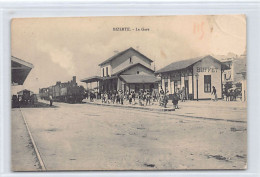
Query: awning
point(97, 78)
point(139, 79)
point(91, 79)
point(20, 70)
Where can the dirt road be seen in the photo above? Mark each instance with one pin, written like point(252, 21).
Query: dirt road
point(91, 137)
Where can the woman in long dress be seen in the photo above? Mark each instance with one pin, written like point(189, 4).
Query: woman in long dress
point(214, 94)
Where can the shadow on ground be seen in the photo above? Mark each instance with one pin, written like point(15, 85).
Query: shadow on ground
point(38, 105)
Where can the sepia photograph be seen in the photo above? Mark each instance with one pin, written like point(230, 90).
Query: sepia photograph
point(129, 93)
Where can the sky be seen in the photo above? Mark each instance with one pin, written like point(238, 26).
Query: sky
point(60, 48)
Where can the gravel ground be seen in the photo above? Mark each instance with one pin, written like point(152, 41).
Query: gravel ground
point(91, 137)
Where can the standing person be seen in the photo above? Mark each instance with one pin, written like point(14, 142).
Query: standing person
point(161, 92)
point(214, 93)
point(144, 96)
point(113, 96)
point(154, 96)
point(161, 97)
point(140, 97)
point(121, 97)
point(15, 101)
point(117, 97)
point(127, 95)
point(148, 98)
point(133, 97)
point(130, 97)
point(183, 94)
point(91, 96)
point(227, 92)
point(51, 101)
point(102, 97)
point(166, 98)
point(175, 100)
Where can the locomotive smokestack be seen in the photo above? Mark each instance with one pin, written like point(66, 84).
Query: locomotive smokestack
point(74, 79)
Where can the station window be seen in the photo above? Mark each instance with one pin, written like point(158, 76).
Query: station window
point(106, 71)
point(207, 83)
point(103, 72)
point(137, 72)
point(130, 60)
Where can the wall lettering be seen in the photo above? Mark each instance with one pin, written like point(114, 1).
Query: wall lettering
point(207, 69)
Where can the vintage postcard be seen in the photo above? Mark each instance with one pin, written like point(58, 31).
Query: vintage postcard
point(129, 93)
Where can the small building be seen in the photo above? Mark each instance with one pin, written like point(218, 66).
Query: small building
point(197, 76)
point(128, 70)
point(235, 77)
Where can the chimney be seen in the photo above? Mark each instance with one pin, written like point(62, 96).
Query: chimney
point(74, 79)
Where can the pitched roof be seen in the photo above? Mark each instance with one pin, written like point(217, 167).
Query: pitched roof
point(186, 63)
point(24, 90)
point(139, 79)
point(122, 53)
point(131, 66)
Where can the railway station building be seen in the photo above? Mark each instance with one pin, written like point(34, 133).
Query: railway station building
point(128, 70)
point(197, 76)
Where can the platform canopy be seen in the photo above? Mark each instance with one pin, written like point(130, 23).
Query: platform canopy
point(140, 79)
point(91, 79)
point(97, 78)
point(20, 70)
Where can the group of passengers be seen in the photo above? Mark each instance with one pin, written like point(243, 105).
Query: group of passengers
point(19, 100)
point(143, 97)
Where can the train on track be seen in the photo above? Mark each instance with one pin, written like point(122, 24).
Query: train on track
point(68, 92)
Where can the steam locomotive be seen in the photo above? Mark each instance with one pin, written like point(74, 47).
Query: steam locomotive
point(68, 92)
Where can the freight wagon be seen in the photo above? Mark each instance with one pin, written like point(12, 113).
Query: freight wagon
point(68, 92)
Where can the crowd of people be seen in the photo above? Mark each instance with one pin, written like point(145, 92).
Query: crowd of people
point(142, 98)
point(231, 94)
point(145, 97)
point(19, 100)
